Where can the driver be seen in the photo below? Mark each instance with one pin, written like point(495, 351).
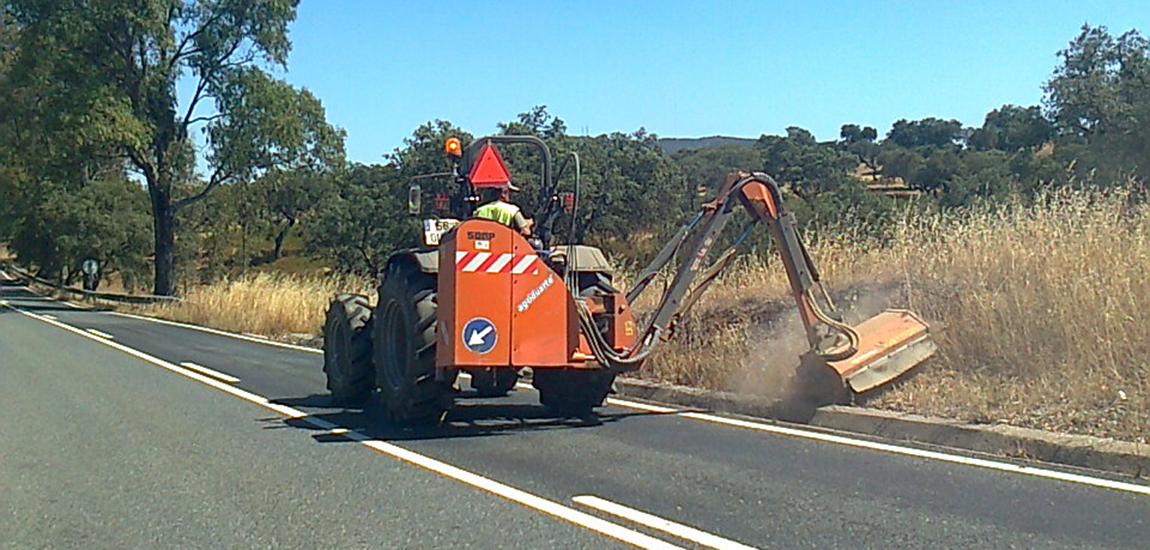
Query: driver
point(497, 207)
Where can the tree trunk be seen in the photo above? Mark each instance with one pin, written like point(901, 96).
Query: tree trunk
point(163, 225)
point(278, 252)
point(243, 243)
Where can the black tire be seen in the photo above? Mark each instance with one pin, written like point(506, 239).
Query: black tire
point(572, 391)
point(493, 382)
point(404, 337)
point(347, 349)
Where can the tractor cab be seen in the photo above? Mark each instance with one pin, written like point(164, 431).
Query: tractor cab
point(478, 174)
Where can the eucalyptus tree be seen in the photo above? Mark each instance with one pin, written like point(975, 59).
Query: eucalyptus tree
point(115, 66)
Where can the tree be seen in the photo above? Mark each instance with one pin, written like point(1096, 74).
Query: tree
point(631, 191)
point(364, 220)
point(125, 57)
point(807, 166)
point(536, 122)
point(102, 220)
point(705, 169)
point(900, 162)
point(853, 133)
point(65, 198)
point(10, 173)
point(1011, 128)
point(860, 142)
point(928, 132)
point(1100, 96)
point(939, 169)
point(288, 196)
point(363, 217)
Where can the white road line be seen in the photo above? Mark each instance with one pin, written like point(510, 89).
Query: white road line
point(244, 337)
point(889, 448)
point(550, 507)
point(60, 301)
point(103, 335)
point(47, 316)
point(660, 524)
point(210, 372)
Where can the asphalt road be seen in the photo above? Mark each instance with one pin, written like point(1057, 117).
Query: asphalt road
point(107, 442)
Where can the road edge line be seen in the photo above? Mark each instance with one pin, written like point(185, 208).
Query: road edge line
point(219, 332)
point(1007, 467)
point(1070, 450)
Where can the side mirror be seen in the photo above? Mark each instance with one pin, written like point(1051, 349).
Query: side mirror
point(414, 199)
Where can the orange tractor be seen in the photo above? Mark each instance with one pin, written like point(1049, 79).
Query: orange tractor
point(482, 298)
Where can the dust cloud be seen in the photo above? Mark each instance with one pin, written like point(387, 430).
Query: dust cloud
point(773, 347)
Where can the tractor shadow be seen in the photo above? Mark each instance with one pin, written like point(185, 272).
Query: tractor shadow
point(471, 416)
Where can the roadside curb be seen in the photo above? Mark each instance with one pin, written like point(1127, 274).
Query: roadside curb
point(1082, 451)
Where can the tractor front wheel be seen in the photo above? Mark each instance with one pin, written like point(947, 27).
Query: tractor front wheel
point(347, 349)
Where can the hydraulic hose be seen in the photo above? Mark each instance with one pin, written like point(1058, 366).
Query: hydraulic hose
point(843, 328)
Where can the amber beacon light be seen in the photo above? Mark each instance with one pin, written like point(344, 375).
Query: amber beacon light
point(453, 147)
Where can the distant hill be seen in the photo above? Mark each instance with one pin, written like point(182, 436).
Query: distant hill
point(670, 145)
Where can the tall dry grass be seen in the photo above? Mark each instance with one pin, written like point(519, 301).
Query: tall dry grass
point(1042, 312)
point(275, 305)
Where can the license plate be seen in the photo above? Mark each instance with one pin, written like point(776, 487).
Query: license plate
point(434, 229)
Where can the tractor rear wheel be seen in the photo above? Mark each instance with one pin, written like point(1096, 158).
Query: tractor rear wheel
point(572, 391)
point(347, 349)
point(493, 382)
point(404, 337)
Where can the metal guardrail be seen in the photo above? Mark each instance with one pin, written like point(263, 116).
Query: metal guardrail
point(92, 295)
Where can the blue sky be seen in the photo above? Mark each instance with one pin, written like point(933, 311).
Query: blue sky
point(679, 69)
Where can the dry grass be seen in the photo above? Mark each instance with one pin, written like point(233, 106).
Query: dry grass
point(276, 305)
point(1044, 312)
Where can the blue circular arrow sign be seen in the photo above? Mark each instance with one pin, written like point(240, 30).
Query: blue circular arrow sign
point(479, 335)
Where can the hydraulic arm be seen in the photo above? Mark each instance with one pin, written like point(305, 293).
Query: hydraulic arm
point(864, 356)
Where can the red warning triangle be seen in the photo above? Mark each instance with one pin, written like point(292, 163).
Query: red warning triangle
point(489, 170)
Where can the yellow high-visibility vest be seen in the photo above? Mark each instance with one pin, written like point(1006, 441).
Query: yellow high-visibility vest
point(498, 211)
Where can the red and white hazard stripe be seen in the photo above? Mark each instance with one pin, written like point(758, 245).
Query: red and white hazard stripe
point(524, 263)
point(486, 262)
